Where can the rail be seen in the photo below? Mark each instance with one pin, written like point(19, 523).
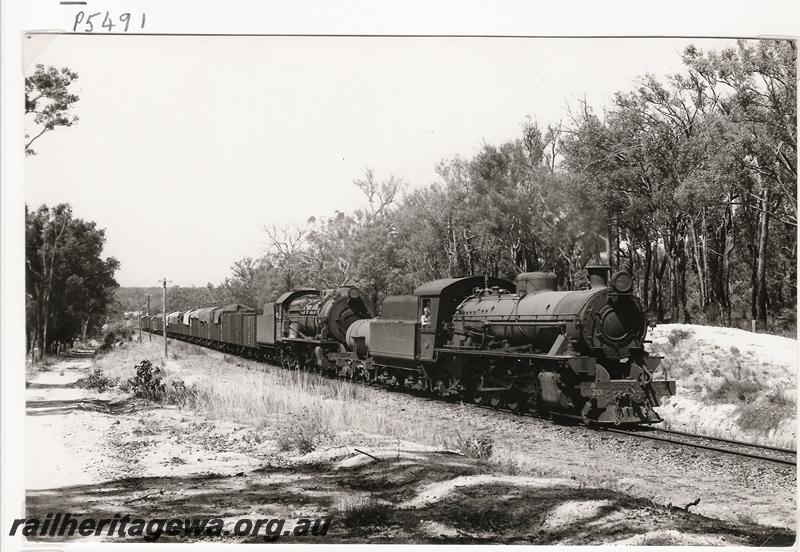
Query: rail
point(783, 456)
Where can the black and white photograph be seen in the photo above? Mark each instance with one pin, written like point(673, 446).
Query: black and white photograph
point(332, 289)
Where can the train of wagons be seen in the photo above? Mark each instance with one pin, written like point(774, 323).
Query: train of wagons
point(521, 345)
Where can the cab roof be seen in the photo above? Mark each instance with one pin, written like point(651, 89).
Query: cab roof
point(436, 288)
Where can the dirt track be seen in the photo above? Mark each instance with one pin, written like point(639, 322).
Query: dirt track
point(98, 454)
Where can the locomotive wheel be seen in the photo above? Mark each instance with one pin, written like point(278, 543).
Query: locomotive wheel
point(478, 398)
point(495, 400)
point(516, 402)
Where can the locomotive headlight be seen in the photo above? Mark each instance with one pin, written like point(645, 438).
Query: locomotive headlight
point(354, 293)
point(621, 281)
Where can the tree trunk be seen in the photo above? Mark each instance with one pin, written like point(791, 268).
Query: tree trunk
point(726, 264)
point(700, 265)
point(43, 346)
point(633, 256)
point(674, 299)
point(48, 285)
point(761, 284)
point(685, 316)
point(660, 288)
point(654, 304)
point(754, 285)
point(648, 259)
point(704, 238)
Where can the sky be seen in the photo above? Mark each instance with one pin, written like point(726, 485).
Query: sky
point(187, 146)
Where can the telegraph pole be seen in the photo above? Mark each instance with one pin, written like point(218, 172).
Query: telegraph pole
point(149, 334)
point(164, 308)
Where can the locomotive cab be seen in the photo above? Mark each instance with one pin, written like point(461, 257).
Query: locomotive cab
point(443, 297)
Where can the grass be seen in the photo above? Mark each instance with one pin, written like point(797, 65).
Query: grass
point(479, 447)
point(121, 362)
point(303, 432)
point(307, 408)
point(767, 411)
point(97, 380)
point(299, 410)
point(677, 335)
point(364, 512)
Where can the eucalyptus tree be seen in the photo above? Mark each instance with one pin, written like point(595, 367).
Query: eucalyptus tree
point(48, 101)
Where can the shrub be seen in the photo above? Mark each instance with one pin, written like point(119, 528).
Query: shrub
point(115, 333)
point(303, 432)
point(96, 380)
point(364, 512)
point(484, 518)
point(508, 466)
point(763, 416)
point(768, 412)
point(181, 395)
point(778, 396)
point(733, 389)
point(679, 334)
point(147, 383)
point(478, 447)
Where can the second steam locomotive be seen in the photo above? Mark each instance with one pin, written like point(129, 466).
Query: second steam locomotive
point(522, 345)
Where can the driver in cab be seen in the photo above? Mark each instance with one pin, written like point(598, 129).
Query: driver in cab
point(425, 319)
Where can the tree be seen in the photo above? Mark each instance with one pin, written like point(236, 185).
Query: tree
point(48, 99)
point(380, 195)
point(45, 236)
point(689, 181)
point(679, 167)
point(90, 288)
point(756, 87)
point(250, 283)
point(68, 284)
point(284, 250)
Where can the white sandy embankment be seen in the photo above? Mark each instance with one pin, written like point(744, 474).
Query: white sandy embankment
point(707, 355)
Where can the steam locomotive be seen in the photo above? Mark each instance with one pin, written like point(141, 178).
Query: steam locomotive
point(522, 345)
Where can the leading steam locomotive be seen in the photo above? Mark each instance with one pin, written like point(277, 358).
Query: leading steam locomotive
point(522, 345)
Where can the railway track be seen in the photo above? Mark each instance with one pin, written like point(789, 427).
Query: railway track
point(728, 446)
point(716, 444)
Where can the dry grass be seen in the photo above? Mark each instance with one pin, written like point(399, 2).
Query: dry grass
point(303, 432)
point(479, 447)
point(120, 362)
point(364, 512)
point(284, 405)
point(301, 400)
point(96, 380)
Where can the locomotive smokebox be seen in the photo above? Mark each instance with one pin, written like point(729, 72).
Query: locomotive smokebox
point(598, 275)
point(530, 283)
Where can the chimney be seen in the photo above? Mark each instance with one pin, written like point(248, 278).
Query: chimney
point(598, 275)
